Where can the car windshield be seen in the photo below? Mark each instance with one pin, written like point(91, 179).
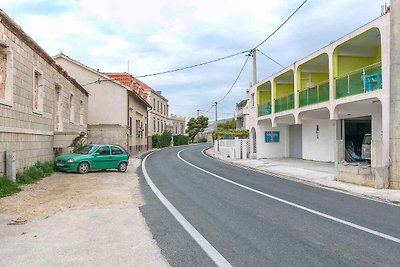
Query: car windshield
point(85, 149)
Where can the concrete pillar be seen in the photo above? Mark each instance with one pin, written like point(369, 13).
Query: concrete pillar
point(395, 94)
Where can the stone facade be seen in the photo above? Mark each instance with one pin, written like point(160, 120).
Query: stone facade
point(38, 99)
point(158, 115)
point(176, 125)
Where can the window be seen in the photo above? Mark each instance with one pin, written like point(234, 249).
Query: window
point(6, 76)
point(81, 112)
point(154, 120)
point(71, 108)
point(37, 91)
point(3, 73)
point(145, 129)
point(252, 100)
point(158, 106)
point(162, 126)
point(154, 103)
point(57, 108)
point(104, 150)
point(130, 126)
point(116, 151)
point(158, 125)
point(161, 108)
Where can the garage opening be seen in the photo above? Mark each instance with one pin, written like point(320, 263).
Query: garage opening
point(357, 139)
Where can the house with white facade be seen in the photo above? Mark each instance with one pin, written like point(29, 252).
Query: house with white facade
point(43, 110)
point(323, 106)
point(242, 116)
point(176, 124)
point(116, 113)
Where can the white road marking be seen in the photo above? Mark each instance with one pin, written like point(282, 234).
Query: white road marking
point(359, 227)
point(203, 243)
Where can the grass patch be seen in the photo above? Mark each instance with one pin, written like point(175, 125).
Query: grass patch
point(8, 187)
point(33, 173)
point(29, 175)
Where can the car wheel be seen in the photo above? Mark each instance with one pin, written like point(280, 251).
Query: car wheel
point(83, 167)
point(122, 167)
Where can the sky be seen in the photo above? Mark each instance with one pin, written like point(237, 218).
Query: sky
point(153, 36)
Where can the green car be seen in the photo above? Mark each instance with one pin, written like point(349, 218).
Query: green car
point(92, 157)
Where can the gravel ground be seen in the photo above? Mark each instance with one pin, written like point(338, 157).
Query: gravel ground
point(69, 219)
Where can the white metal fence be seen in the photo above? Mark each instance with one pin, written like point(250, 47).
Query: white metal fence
point(233, 148)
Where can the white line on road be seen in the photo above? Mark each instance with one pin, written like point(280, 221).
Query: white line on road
point(359, 227)
point(203, 243)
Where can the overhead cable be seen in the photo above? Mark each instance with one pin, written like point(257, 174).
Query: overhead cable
point(237, 78)
point(283, 23)
point(270, 58)
point(193, 66)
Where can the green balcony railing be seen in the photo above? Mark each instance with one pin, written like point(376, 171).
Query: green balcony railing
point(284, 103)
point(360, 81)
point(264, 109)
point(316, 94)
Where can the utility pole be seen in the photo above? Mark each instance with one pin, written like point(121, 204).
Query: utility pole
point(254, 55)
point(394, 136)
point(198, 113)
point(216, 116)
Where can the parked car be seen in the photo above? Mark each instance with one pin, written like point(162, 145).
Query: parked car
point(92, 157)
point(366, 147)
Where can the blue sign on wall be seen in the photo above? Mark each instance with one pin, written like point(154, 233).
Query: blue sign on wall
point(272, 137)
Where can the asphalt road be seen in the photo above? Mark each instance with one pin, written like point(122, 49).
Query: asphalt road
point(262, 220)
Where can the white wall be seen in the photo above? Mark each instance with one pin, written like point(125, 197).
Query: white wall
point(107, 100)
point(323, 147)
point(272, 150)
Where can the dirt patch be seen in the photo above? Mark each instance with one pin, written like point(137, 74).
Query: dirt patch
point(63, 191)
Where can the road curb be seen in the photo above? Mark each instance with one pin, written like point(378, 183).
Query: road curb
point(306, 182)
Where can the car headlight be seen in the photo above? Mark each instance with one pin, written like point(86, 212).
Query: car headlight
point(70, 160)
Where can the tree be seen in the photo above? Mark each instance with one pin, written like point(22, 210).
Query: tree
point(228, 125)
point(195, 126)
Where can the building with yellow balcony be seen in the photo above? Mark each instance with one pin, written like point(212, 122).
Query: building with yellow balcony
point(324, 106)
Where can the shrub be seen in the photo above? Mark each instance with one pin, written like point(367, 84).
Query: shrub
point(181, 140)
point(35, 172)
point(7, 187)
point(203, 140)
point(163, 140)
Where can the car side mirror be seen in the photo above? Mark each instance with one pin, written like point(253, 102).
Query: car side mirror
point(96, 154)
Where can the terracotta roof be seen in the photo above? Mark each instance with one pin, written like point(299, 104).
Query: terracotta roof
point(14, 28)
point(128, 80)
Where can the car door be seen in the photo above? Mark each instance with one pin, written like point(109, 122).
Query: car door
point(117, 155)
point(102, 158)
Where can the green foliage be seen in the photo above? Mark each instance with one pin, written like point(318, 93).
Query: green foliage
point(7, 187)
point(35, 172)
point(29, 175)
point(195, 126)
point(228, 125)
point(163, 140)
point(181, 140)
point(230, 134)
point(203, 140)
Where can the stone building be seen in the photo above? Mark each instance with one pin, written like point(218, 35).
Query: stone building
point(117, 114)
point(42, 109)
point(176, 124)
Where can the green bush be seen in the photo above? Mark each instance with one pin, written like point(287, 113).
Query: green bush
point(180, 140)
point(203, 140)
point(230, 134)
point(7, 187)
point(163, 140)
point(33, 173)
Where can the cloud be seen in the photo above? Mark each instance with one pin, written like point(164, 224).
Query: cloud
point(161, 35)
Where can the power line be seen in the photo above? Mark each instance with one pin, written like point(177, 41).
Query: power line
point(193, 66)
point(237, 78)
point(229, 56)
point(270, 58)
point(283, 23)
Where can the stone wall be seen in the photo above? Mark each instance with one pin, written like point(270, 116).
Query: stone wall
point(23, 128)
